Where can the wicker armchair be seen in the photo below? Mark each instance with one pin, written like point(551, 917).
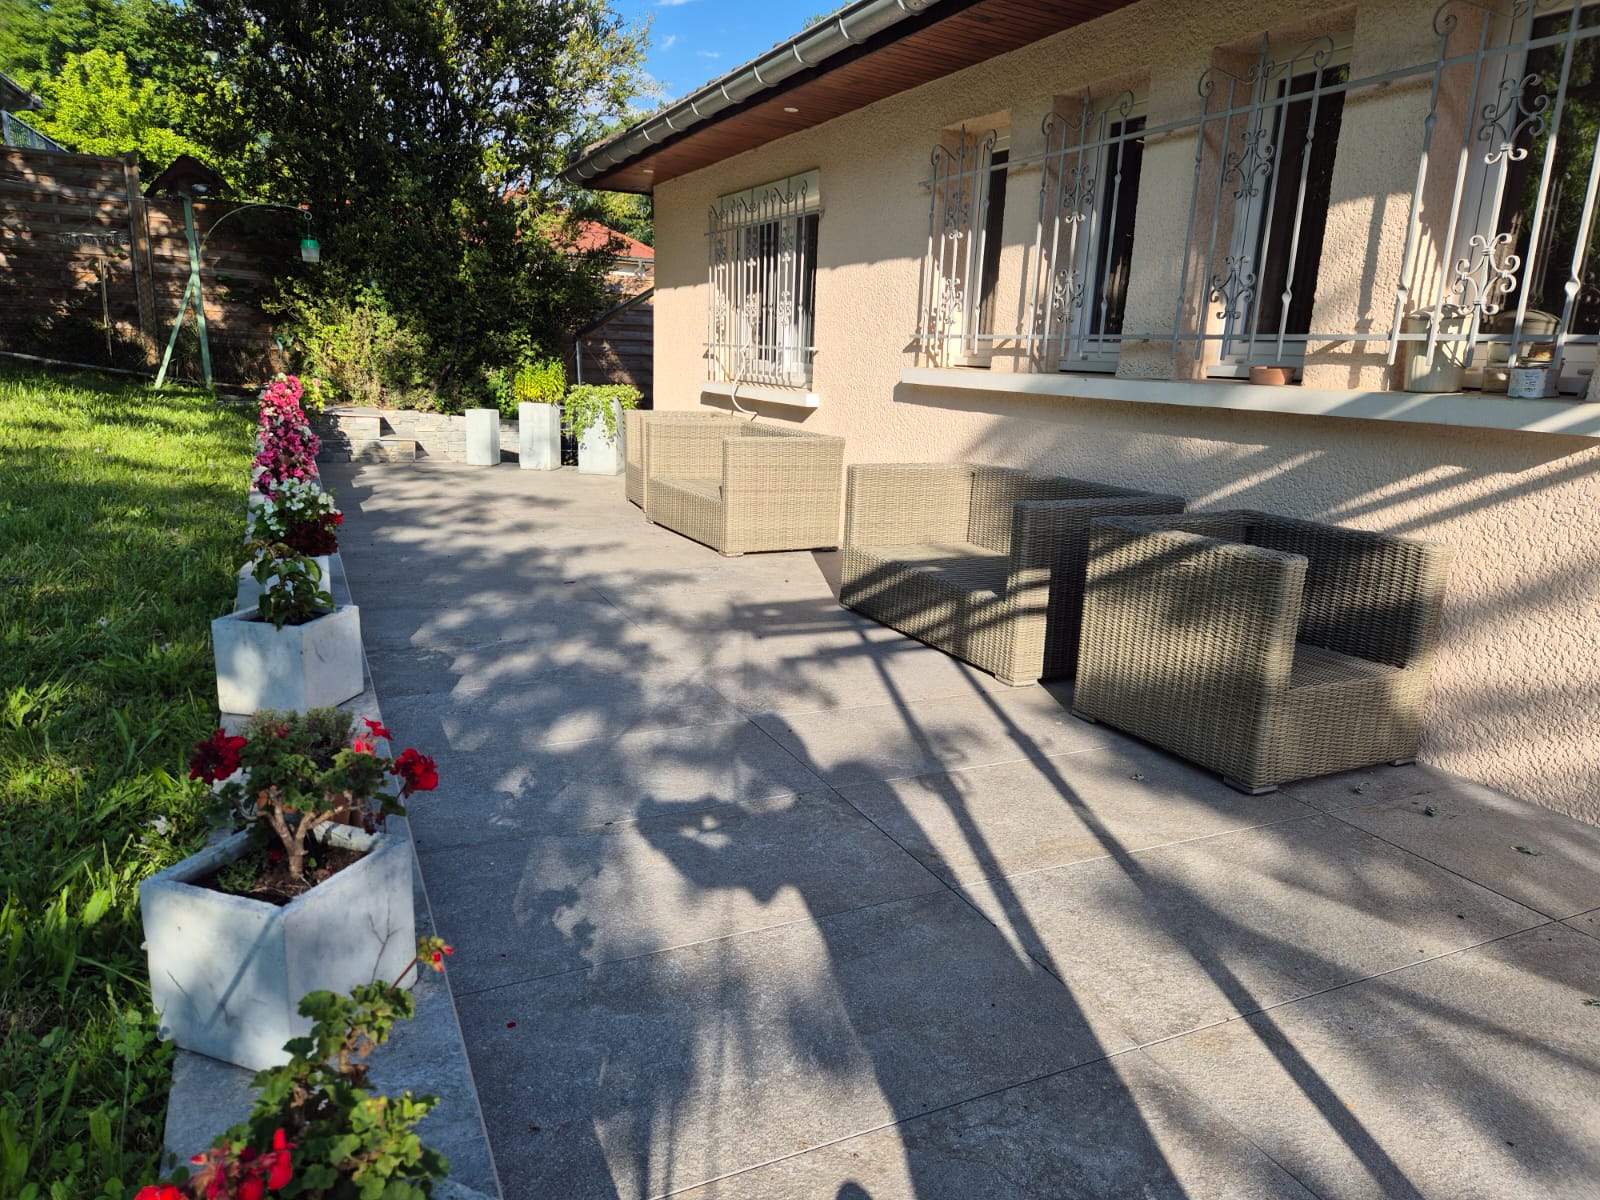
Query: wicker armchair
point(745, 487)
point(637, 429)
point(984, 563)
point(1264, 648)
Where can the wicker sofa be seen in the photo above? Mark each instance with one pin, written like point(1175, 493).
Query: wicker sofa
point(743, 487)
point(985, 563)
point(637, 429)
point(1265, 648)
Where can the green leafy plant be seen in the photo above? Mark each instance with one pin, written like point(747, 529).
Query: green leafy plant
point(291, 584)
point(303, 773)
point(591, 404)
point(353, 344)
point(540, 383)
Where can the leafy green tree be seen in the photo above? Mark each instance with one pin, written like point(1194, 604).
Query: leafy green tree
point(428, 137)
point(626, 213)
point(95, 105)
point(36, 36)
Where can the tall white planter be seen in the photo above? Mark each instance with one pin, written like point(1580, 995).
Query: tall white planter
point(599, 454)
point(483, 437)
point(248, 592)
point(227, 972)
point(314, 665)
point(539, 437)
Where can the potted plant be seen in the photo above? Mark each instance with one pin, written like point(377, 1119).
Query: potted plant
point(295, 648)
point(286, 448)
point(315, 1123)
point(307, 896)
point(537, 390)
point(594, 417)
point(302, 516)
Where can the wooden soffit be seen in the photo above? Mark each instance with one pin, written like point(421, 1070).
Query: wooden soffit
point(946, 38)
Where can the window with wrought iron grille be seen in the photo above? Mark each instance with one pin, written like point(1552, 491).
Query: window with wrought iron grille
point(763, 282)
point(961, 271)
point(1503, 273)
point(1267, 142)
point(1088, 197)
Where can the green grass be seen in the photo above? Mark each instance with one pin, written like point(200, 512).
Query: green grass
point(121, 517)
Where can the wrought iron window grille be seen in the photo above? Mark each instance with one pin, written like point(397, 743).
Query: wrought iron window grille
point(956, 309)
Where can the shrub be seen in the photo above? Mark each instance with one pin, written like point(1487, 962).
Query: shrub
point(357, 346)
point(589, 404)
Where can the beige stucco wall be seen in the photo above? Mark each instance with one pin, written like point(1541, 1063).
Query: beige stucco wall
point(1517, 688)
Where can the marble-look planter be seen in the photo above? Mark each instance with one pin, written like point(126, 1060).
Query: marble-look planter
point(539, 437)
point(599, 454)
point(314, 665)
point(247, 594)
point(483, 437)
point(227, 972)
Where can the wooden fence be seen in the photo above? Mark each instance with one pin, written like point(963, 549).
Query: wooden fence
point(619, 347)
point(92, 271)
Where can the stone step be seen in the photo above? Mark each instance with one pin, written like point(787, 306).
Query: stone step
point(389, 449)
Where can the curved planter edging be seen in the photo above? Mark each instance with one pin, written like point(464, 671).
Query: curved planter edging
point(227, 972)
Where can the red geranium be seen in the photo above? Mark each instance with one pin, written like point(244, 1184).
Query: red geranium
point(215, 758)
point(417, 770)
point(376, 729)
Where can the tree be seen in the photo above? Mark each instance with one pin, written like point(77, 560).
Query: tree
point(428, 137)
point(95, 105)
point(626, 213)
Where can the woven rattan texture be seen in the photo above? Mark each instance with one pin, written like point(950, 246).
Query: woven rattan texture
point(637, 429)
point(744, 488)
point(1265, 648)
point(985, 563)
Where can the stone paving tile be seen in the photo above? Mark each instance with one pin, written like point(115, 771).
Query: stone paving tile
point(1107, 1131)
point(1589, 923)
point(1471, 1077)
point(499, 793)
point(555, 705)
point(654, 1074)
point(1476, 831)
point(1170, 939)
point(889, 741)
point(519, 908)
point(1370, 785)
point(1021, 816)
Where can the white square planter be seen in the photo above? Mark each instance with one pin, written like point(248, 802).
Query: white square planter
point(314, 665)
point(227, 972)
point(539, 437)
point(248, 592)
point(483, 437)
point(598, 454)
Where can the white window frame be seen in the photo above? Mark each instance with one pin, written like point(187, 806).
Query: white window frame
point(1085, 164)
point(762, 282)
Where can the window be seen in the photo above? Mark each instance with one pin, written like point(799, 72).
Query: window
point(962, 270)
point(1520, 284)
point(763, 283)
point(1277, 127)
point(1087, 202)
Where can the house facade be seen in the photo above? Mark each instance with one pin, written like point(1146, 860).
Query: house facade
point(1328, 262)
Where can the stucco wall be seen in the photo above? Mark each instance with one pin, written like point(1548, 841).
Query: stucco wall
point(1517, 687)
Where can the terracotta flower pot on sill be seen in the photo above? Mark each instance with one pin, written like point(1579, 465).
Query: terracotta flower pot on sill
point(1272, 376)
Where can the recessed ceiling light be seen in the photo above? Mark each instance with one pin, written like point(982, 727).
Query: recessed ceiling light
point(648, 170)
point(788, 109)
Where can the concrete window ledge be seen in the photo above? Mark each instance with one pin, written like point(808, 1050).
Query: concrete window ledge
point(766, 393)
point(1466, 409)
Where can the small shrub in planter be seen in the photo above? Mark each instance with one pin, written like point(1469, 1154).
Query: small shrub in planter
point(285, 446)
point(315, 1123)
point(303, 898)
point(594, 417)
point(537, 390)
point(295, 649)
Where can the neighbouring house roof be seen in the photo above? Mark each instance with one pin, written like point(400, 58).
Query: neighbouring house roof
point(592, 235)
point(863, 53)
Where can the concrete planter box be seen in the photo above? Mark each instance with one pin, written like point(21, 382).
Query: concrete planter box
point(314, 665)
point(483, 437)
point(227, 972)
point(248, 592)
point(539, 437)
point(598, 454)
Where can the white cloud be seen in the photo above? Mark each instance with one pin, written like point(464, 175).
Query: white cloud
point(709, 53)
point(668, 42)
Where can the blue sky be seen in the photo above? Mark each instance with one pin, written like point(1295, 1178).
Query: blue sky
point(694, 41)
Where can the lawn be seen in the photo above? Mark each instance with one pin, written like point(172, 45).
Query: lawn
point(121, 514)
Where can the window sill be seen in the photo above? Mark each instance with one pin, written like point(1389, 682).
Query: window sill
point(1466, 409)
point(764, 392)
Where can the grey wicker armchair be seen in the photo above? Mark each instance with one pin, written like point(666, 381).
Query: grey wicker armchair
point(637, 429)
point(1264, 648)
point(984, 563)
point(745, 487)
